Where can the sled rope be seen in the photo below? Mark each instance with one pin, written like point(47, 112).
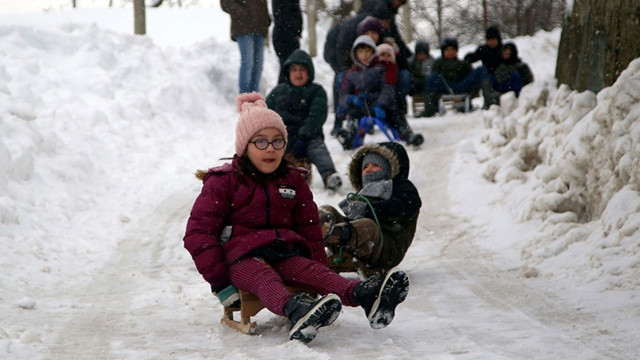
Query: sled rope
point(355, 197)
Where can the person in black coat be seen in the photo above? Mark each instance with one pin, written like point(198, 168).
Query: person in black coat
point(380, 220)
point(490, 53)
point(287, 27)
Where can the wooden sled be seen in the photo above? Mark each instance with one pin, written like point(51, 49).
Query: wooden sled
point(454, 102)
point(417, 104)
point(250, 305)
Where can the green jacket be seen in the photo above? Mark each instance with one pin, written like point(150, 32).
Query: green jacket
point(303, 108)
point(452, 70)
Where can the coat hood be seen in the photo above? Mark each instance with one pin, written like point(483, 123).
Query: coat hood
point(395, 154)
point(514, 59)
point(363, 40)
point(299, 57)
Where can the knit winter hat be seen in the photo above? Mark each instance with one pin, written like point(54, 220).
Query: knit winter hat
point(375, 158)
point(422, 46)
point(386, 49)
point(254, 116)
point(369, 24)
point(493, 33)
point(449, 42)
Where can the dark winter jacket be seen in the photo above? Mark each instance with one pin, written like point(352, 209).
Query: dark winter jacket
point(452, 70)
point(276, 212)
point(514, 63)
point(420, 70)
point(374, 8)
point(247, 17)
point(303, 109)
point(367, 79)
point(490, 58)
point(398, 216)
point(287, 17)
point(338, 43)
point(287, 27)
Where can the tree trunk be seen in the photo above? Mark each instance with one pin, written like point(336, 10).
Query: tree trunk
point(407, 26)
point(312, 17)
point(599, 40)
point(139, 18)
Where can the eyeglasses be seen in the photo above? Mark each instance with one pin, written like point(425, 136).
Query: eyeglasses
point(262, 144)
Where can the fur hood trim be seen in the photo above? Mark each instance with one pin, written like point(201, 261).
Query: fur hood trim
point(355, 166)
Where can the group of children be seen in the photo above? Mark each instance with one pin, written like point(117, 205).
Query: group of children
point(501, 71)
point(255, 227)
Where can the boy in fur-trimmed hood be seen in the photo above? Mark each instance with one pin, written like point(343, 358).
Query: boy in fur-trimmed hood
point(379, 221)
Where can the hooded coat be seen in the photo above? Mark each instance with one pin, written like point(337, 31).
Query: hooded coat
point(247, 17)
point(303, 108)
point(278, 211)
point(514, 63)
point(397, 216)
point(367, 79)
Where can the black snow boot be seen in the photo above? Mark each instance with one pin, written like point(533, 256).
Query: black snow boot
point(410, 137)
point(380, 294)
point(307, 315)
point(415, 139)
point(430, 104)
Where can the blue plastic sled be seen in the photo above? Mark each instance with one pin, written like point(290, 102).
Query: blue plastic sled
point(366, 123)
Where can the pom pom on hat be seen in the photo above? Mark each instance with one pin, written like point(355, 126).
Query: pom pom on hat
point(254, 116)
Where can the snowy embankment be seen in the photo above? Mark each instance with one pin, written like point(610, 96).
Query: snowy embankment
point(570, 163)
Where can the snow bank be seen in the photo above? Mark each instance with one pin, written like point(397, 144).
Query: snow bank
point(572, 162)
point(81, 112)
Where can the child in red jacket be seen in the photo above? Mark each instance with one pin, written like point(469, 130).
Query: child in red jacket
point(255, 227)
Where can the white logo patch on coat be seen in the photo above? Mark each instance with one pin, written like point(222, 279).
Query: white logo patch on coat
point(287, 191)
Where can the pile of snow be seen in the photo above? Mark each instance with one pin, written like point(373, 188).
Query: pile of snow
point(571, 161)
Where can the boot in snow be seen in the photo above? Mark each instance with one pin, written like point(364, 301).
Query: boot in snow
point(415, 139)
point(307, 315)
point(380, 294)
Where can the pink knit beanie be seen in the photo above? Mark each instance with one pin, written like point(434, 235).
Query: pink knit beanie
point(254, 116)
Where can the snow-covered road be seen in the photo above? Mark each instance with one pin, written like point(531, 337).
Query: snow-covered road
point(461, 304)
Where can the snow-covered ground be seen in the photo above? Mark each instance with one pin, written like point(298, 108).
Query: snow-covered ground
point(528, 243)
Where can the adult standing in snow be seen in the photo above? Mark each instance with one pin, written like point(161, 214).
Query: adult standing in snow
point(250, 22)
point(287, 27)
point(255, 227)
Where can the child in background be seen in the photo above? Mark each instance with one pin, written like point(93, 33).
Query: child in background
point(381, 218)
point(366, 91)
point(420, 67)
point(302, 104)
point(387, 57)
point(451, 75)
point(512, 74)
point(255, 227)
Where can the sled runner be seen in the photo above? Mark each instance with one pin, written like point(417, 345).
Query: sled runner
point(460, 102)
point(250, 305)
point(352, 136)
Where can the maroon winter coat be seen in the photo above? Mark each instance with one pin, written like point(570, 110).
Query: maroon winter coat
point(280, 211)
